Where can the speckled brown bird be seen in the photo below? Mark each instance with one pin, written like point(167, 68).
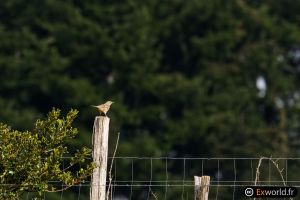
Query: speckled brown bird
point(103, 108)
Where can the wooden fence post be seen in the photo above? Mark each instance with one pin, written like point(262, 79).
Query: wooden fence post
point(201, 187)
point(100, 151)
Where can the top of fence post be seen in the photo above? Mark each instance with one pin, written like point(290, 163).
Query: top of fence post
point(201, 187)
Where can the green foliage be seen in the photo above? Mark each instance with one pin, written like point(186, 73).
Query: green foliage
point(33, 161)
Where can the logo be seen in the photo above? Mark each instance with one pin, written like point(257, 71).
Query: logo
point(270, 191)
point(249, 192)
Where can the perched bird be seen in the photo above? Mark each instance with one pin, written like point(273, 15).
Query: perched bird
point(103, 108)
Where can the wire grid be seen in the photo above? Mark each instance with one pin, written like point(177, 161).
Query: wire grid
point(173, 178)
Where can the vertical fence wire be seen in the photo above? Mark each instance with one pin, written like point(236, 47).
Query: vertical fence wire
point(113, 186)
point(218, 180)
point(269, 171)
point(183, 180)
point(234, 183)
point(150, 182)
point(252, 174)
point(286, 170)
point(131, 185)
point(62, 184)
point(166, 180)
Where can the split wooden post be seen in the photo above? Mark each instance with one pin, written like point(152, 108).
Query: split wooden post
point(201, 187)
point(100, 151)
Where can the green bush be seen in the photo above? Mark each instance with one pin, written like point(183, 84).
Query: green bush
point(32, 161)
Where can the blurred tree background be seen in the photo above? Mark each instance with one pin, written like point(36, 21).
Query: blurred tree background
point(189, 78)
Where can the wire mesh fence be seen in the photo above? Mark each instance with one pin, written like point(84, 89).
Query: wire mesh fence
point(173, 178)
point(165, 178)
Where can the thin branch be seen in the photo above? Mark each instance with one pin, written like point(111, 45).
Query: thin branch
point(153, 194)
point(111, 166)
point(276, 166)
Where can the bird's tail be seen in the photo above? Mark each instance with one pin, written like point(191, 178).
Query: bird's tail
point(94, 106)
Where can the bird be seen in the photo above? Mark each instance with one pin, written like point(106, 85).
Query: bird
point(103, 108)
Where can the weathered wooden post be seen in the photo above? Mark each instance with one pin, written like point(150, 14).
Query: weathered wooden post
point(100, 151)
point(201, 187)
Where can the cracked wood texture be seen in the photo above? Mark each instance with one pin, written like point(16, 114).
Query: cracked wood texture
point(201, 187)
point(100, 152)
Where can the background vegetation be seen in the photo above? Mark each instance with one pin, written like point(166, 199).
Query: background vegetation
point(183, 74)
